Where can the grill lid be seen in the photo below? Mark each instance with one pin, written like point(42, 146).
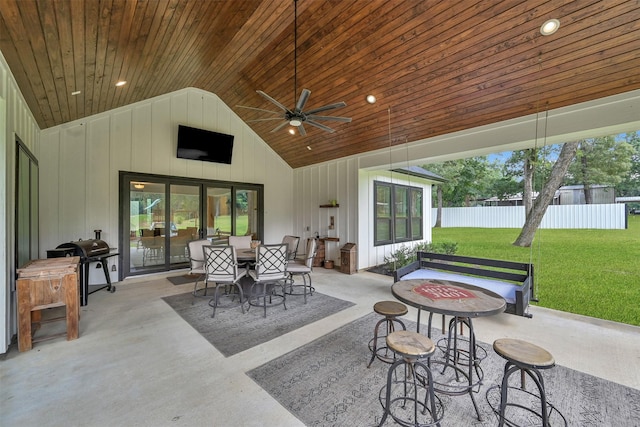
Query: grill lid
point(87, 248)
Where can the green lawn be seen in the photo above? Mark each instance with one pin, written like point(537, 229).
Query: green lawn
point(591, 272)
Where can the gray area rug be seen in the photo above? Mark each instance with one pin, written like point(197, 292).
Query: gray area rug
point(185, 278)
point(327, 383)
point(232, 332)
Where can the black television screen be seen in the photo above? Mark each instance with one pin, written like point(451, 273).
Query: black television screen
point(205, 145)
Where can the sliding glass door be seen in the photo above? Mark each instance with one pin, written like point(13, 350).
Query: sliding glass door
point(219, 224)
point(160, 214)
point(246, 213)
point(147, 202)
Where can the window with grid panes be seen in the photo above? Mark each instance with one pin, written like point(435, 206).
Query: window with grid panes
point(398, 213)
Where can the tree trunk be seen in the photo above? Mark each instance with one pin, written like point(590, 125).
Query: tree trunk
point(527, 192)
point(545, 197)
point(586, 181)
point(439, 214)
point(588, 200)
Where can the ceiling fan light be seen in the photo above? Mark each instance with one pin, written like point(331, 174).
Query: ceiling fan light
point(549, 27)
point(295, 122)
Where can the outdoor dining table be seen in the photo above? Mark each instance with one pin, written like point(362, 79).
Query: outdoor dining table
point(464, 302)
point(246, 255)
point(246, 258)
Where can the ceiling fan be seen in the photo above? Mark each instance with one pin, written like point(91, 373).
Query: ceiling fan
point(297, 116)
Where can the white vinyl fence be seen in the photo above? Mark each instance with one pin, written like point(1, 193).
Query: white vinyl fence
point(609, 216)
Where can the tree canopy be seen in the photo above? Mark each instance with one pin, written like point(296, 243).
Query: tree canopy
point(608, 160)
point(605, 160)
point(630, 183)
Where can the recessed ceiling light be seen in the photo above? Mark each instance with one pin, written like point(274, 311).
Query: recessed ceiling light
point(121, 83)
point(76, 92)
point(309, 147)
point(549, 27)
point(292, 131)
point(371, 99)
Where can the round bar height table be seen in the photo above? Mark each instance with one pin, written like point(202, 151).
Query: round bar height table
point(462, 301)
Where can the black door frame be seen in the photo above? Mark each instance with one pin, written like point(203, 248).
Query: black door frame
point(125, 179)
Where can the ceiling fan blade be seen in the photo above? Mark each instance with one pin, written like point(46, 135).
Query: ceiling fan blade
point(259, 109)
point(280, 126)
point(301, 130)
point(270, 99)
point(327, 107)
point(333, 118)
point(320, 126)
point(304, 97)
point(264, 120)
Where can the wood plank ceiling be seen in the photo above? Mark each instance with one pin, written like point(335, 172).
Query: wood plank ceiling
point(435, 67)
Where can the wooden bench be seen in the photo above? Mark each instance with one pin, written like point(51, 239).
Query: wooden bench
point(511, 280)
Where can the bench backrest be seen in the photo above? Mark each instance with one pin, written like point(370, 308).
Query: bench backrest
point(516, 272)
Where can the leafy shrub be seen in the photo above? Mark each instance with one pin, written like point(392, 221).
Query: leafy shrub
point(406, 254)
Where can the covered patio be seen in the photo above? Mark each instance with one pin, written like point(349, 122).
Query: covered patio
point(137, 362)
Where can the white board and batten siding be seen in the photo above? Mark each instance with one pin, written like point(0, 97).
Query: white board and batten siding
point(15, 120)
point(81, 161)
point(603, 216)
point(352, 186)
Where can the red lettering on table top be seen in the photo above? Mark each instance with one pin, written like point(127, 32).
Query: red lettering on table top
point(436, 291)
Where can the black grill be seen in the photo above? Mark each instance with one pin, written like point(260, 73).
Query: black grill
point(90, 250)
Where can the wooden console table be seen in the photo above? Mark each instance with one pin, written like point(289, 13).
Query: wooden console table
point(47, 283)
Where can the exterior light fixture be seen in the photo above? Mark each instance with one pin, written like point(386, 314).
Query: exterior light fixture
point(549, 27)
point(121, 83)
point(371, 99)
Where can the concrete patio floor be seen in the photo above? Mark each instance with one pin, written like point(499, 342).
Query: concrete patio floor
point(137, 363)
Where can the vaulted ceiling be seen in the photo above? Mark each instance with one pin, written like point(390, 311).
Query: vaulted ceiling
point(435, 67)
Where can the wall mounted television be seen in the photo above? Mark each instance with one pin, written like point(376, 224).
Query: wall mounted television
point(205, 145)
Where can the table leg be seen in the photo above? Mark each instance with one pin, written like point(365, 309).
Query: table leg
point(24, 317)
point(72, 309)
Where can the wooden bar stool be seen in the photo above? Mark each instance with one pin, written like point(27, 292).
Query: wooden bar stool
point(391, 310)
point(528, 359)
point(409, 397)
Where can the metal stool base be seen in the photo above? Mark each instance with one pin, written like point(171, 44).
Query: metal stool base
point(409, 398)
point(555, 417)
point(383, 353)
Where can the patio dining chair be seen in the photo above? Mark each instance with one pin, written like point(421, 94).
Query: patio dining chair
point(221, 269)
point(292, 246)
point(270, 272)
point(302, 268)
point(241, 243)
point(196, 259)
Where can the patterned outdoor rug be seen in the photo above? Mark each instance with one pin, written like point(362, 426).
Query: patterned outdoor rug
point(232, 332)
point(327, 383)
point(185, 278)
